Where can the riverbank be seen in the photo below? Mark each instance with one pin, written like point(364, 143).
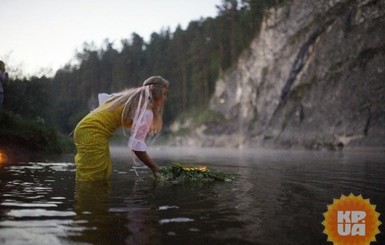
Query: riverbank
point(23, 139)
point(11, 152)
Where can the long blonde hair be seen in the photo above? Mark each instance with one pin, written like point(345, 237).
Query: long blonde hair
point(137, 98)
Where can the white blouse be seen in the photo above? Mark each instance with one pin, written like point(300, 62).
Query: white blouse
point(138, 143)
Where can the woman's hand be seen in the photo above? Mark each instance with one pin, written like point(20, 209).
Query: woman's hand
point(143, 156)
point(155, 171)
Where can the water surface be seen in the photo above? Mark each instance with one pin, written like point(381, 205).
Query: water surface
point(279, 197)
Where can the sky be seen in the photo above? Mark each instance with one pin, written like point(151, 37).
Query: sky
point(41, 36)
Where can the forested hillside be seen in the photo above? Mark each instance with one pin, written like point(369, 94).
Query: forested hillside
point(191, 59)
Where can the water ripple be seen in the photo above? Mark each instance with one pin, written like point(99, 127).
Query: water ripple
point(175, 220)
point(30, 205)
point(24, 213)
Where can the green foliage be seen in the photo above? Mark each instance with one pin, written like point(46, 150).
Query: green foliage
point(29, 98)
point(198, 117)
point(201, 116)
point(208, 116)
point(31, 135)
point(299, 91)
point(27, 117)
point(178, 173)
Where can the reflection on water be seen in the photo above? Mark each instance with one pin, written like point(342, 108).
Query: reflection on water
point(279, 198)
point(114, 217)
point(31, 212)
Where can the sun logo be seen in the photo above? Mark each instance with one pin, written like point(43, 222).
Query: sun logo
point(351, 220)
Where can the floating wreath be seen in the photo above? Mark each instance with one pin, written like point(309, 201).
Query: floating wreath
point(178, 173)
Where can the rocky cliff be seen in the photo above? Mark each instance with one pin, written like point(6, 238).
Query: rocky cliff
point(313, 78)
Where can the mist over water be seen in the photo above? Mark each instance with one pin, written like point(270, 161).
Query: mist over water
point(279, 197)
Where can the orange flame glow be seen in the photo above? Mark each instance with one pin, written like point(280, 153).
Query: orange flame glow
point(3, 157)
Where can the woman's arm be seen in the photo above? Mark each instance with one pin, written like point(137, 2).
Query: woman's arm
point(143, 156)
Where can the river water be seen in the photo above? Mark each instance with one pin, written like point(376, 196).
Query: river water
point(278, 197)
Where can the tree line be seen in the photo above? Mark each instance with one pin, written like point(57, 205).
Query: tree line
point(191, 59)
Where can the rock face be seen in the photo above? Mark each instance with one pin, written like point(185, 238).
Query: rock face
point(313, 78)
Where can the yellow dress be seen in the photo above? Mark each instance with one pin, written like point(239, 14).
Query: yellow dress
point(91, 136)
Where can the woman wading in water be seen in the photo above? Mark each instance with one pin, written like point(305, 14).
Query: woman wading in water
point(140, 109)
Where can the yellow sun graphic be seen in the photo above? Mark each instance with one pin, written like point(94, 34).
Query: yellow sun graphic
point(351, 220)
